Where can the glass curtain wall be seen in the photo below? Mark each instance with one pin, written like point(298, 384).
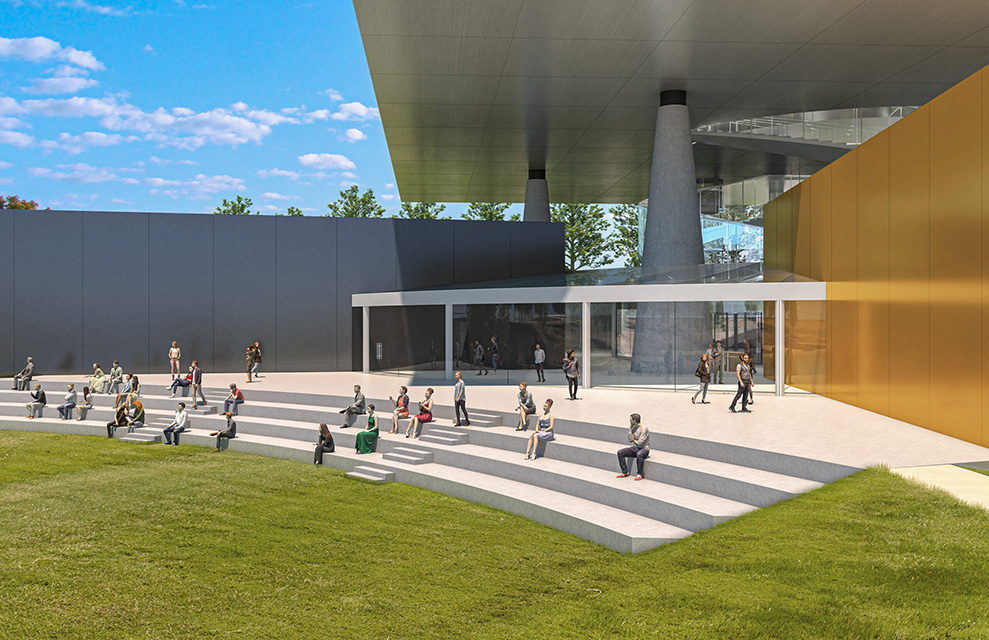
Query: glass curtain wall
point(407, 340)
point(659, 344)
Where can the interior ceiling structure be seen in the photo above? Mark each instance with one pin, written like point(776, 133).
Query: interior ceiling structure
point(474, 93)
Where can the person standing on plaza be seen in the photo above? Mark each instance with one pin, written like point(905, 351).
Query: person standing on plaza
point(114, 378)
point(23, 377)
point(479, 358)
point(250, 361)
point(638, 435)
point(460, 399)
point(493, 350)
point(539, 357)
point(174, 355)
point(571, 367)
point(703, 373)
point(257, 359)
point(744, 375)
point(717, 363)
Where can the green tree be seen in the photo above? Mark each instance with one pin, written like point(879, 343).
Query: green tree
point(13, 202)
point(294, 211)
point(354, 204)
point(239, 207)
point(625, 235)
point(421, 211)
point(586, 244)
point(490, 211)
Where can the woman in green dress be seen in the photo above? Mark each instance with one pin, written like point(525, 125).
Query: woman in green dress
point(366, 438)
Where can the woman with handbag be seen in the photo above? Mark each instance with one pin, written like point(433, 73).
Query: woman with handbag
point(703, 372)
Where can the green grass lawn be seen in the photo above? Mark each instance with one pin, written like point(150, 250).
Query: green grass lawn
point(107, 540)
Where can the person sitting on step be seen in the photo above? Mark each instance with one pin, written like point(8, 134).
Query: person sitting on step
point(136, 418)
point(425, 415)
point(544, 430)
point(229, 432)
point(365, 439)
point(87, 402)
point(401, 407)
point(325, 444)
point(638, 435)
point(355, 409)
point(526, 408)
point(38, 400)
point(234, 398)
point(181, 381)
point(120, 419)
point(177, 426)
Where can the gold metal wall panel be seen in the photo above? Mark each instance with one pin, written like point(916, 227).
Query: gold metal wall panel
point(769, 244)
point(769, 235)
point(910, 269)
point(956, 260)
point(806, 349)
point(873, 274)
point(800, 203)
point(844, 268)
point(820, 225)
point(985, 257)
point(769, 339)
point(784, 231)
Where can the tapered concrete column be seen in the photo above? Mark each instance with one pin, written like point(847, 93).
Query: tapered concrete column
point(673, 224)
point(536, 197)
point(668, 336)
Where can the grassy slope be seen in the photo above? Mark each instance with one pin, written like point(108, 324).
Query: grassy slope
point(105, 540)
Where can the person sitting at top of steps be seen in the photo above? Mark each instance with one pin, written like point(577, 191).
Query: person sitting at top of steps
point(638, 435)
point(229, 432)
point(425, 415)
point(365, 439)
point(38, 400)
point(544, 430)
point(178, 425)
point(401, 407)
point(234, 398)
point(355, 409)
point(181, 381)
point(526, 408)
point(114, 378)
point(120, 419)
point(324, 445)
point(23, 377)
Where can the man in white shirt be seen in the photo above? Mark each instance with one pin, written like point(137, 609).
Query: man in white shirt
point(178, 425)
point(460, 399)
point(540, 357)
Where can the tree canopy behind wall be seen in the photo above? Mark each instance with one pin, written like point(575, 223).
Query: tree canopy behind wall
point(239, 207)
point(490, 212)
point(354, 204)
point(421, 211)
point(586, 244)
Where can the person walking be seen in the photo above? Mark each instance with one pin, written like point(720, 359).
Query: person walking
point(717, 363)
point(250, 362)
point(526, 407)
point(23, 377)
point(357, 408)
point(65, 409)
point(401, 407)
point(230, 431)
point(460, 399)
point(638, 435)
point(38, 400)
point(234, 398)
point(744, 376)
point(752, 374)
point(571, 367)
point(544, 430)
point(364, 442)
point(174, 355)
point(177, 426)
point(539, 357)
point(323, 445)
point(479, 358)
point(114, 378)
point(257, 360)
point(425, 415)
point(703, 372)
point(493, 350)
point(197, 384)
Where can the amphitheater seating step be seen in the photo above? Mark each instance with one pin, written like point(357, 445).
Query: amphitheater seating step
point(409, 456)
point(372, 474)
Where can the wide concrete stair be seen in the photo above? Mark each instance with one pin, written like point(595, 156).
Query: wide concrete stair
point(692, 483)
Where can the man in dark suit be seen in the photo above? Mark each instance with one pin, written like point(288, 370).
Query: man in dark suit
point(22, 379)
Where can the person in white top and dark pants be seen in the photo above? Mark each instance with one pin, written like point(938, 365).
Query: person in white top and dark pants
point(539, 356)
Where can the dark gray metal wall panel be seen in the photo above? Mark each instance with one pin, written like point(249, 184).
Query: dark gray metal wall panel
point(537, 248)
point(48, 296)
point(366, 262)
point(115, 304)
point(306, 294)
point(8, 362)
point(425, 253)
point(180, 279)
point(481, 251)
point(243, 290)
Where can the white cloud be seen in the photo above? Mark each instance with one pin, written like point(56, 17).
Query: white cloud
point(239, 106)
point(279, 173)
point(353, 135)
point(5, 165)
point(355, 111)
point(59, 85)
point(74, 199)
point(77, 144)
point(66, 71)
point(148, 48)
point(348, 174)
point(41, 49)
point(120, 201)
point(199, 188)
point(16, 138)
point(333, 95)
point(268, 195)
point(81, 172)
point(387, 196)
point(326, 161)
point(7, 122)
point(389, 186)
point(6, 181)
point(182, 112)
point(348, 183)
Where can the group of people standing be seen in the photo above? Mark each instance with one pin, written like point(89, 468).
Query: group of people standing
point(709, 370)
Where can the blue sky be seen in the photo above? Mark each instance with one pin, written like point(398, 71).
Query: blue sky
point(175, 105)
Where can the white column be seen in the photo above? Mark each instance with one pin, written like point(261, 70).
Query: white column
point(585, 344)
point(366, 326)
point(448, 332)
point(780, 347)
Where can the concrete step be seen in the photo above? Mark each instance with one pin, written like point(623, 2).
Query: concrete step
point(141, 438)
point(372, 474)
point(441, 435)
point(438, 439)
point(409, 455)
point(357, 475)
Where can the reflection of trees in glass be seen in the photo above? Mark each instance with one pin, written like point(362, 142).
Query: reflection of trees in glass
point(739, 212)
